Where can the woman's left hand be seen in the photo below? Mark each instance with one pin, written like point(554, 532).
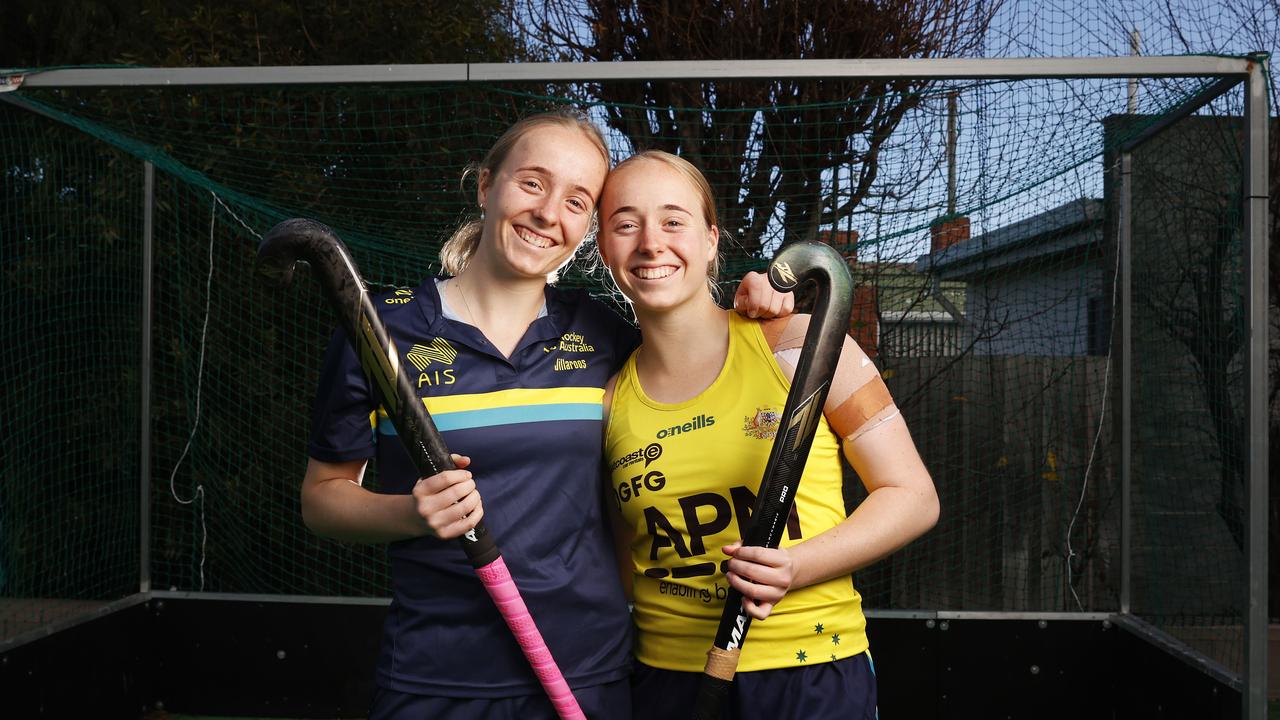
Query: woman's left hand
point(756, 298)
point(762, 575)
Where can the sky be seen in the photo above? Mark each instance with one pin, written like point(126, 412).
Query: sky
point(1102, 27)
point(1024, 148)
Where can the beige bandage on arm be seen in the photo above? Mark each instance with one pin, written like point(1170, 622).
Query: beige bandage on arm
point(858, 399)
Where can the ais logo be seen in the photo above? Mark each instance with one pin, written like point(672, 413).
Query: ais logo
point(438, 351)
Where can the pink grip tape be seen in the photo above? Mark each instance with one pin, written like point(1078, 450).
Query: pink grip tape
point(497, 580)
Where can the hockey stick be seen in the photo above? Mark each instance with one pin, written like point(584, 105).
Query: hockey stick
point(298, 239)
point(792, 266)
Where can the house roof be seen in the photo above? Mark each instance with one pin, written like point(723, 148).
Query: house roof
point(903, 288)
point(1068, 227)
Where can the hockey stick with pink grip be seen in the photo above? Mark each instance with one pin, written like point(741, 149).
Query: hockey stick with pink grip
point(306, 240)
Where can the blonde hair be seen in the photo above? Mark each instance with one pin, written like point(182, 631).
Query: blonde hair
point(461, 245)
point(702, 189)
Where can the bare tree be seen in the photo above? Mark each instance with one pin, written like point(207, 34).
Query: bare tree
point(1202, 313)
point(799, 153)
point(1232, 27)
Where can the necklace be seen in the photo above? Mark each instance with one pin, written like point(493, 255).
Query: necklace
point(470, 315)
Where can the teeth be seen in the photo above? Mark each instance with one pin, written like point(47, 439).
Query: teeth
point(533, 238)
point(654, 273)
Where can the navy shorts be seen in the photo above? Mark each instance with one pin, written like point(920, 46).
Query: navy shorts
point(844, 689)
point(599, 702)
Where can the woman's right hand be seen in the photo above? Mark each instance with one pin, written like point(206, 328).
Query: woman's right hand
point(448, 501)
point(763, 576)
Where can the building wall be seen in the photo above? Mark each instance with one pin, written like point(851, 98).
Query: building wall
point(1042, 310)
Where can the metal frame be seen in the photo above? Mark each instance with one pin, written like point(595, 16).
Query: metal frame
point(933, 69)
point(1257, 121)
point(1255, 250)
point(265, 598)
point(144, 517)
point(1179, 649)
point(1124, 244)
point(1230, 72)
point(106, 608)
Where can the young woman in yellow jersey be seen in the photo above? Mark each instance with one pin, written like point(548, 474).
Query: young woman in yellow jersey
point(690, 422)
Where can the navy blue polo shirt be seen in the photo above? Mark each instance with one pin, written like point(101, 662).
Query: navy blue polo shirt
point(532, 425)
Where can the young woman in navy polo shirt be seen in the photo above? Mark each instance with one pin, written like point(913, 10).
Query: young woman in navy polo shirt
point(512, 370)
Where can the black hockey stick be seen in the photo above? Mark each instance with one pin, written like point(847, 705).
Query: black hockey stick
point(792, 266)
point(340, 281)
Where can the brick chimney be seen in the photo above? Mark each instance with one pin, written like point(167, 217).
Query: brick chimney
point(864, 324)
point(845, 241)
point(947, 231)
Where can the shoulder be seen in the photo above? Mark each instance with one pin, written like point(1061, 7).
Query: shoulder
point(408, 295)
point(407, 307)
point(785, 333)
point(578, 306)
point(581, 302)
point(401, 312)
point(786, 337)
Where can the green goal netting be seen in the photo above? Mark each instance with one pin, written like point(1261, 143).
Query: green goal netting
point(980, 227)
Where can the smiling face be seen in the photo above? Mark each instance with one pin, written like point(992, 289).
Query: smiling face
point(656, 235)
point(538, 202)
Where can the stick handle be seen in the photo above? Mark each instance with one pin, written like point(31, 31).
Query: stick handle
point(799, 422)
point(497, 580)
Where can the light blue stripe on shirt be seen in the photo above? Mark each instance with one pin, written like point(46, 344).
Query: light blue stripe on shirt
point(469, 419)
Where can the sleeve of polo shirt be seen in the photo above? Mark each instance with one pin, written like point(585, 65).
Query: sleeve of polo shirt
point(342, 421)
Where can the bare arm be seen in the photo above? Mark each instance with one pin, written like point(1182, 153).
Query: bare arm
point(335, 505)
point(901, 506)
point(622, 537)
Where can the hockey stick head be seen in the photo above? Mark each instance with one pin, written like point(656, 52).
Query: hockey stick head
point(799, 262)
point(294, 241)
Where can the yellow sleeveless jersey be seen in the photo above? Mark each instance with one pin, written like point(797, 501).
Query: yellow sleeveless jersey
point(685, 477)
